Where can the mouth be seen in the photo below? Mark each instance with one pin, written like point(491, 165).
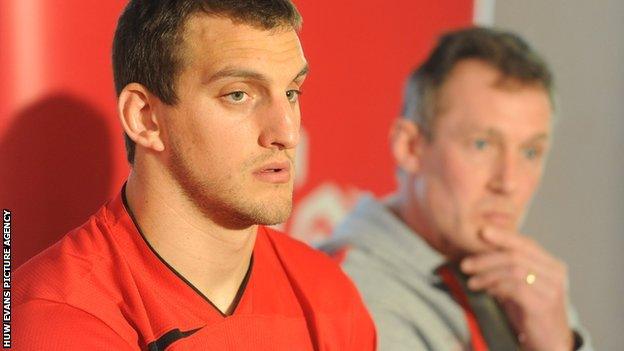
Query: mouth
point(274, 172)
point(499, 219)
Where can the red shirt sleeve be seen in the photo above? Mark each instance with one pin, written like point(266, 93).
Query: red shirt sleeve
point(364, 335)
point(47, 325)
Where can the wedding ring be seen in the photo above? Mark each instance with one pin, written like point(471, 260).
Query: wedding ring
point(530, 278)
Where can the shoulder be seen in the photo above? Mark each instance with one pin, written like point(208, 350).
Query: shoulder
point(46, 325)
point(77, 270)
point(75, 283)
point(301, 254)
point(61, 265)
point(310, 267)
point(325, 292)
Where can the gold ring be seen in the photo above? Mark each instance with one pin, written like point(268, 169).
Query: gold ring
point(530, 278)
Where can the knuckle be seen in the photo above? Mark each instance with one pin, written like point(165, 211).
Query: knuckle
point(514, 257)
point(518, 272)
point(516, 286)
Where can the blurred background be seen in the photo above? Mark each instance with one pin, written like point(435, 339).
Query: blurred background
point(62, 154)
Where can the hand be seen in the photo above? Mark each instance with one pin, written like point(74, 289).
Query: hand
point(529, 283)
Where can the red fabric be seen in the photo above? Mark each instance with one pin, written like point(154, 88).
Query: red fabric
point(102, 288)
point(476, 338)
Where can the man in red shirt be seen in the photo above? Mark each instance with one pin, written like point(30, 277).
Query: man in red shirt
point(208, 96)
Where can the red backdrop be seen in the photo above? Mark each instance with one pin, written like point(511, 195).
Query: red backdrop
point(61, 150)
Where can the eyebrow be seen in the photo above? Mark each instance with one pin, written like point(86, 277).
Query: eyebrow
point(539, 137)
point(303, 72)
point(497, 134)
point(248, 74)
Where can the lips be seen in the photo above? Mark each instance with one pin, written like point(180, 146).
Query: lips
point(274, 172)
point(499, 219)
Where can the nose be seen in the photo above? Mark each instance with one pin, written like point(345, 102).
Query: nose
point(280, 122)
point(504, 179)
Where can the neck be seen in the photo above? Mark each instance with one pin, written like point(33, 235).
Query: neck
point(213, 259)
point(407, 209)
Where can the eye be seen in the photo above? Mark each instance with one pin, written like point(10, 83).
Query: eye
point(531, 153)
point(480, 144)
point(237, 96)
point(293, 95)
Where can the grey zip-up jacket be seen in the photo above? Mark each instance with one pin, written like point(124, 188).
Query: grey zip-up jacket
point(394, 269)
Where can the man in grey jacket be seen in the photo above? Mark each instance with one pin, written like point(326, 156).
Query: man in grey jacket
point(470, 149)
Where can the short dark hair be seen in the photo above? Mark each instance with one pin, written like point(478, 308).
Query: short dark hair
point(149, 35)
point(504, 51)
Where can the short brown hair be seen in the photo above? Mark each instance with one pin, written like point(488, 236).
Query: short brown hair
point(149, 35)
point(505, 51)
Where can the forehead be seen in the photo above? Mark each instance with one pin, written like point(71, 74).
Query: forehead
point(212, 43)
point(475, 96)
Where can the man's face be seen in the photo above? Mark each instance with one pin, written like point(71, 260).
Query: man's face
point(485, 159)
point(230, 140)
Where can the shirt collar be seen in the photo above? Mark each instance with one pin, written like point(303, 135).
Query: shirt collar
point(381, 231)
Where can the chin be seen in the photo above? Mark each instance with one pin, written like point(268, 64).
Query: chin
point(465, 249)
point(272, 216)
point(269, 211)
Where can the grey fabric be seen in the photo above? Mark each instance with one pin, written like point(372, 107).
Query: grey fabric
point(394, 269)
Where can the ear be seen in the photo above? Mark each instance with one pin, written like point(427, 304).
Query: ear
point(406, 141)
point(138, 117)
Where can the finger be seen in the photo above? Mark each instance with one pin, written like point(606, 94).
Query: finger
point(516, 242)
point(484, 262)
point(498, 265)
point(533, 299)
point(492, 260)
point(504, 239)
point(512, 276)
